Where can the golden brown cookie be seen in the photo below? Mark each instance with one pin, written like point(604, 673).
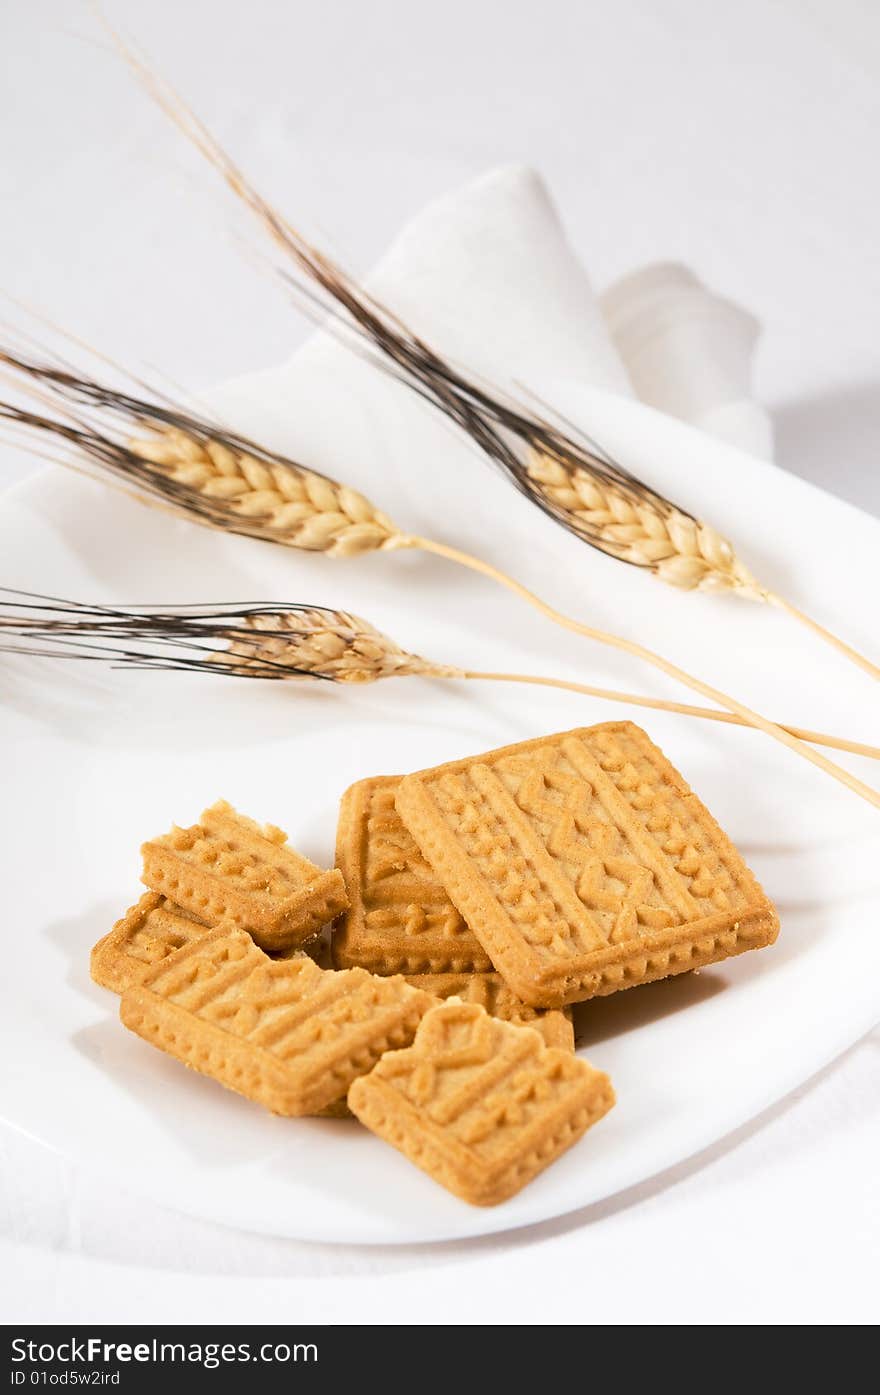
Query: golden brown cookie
point(585, 863)
point(148, 932)
point(400, 919)
point(229, 868)
point(283, 1032)
point(480, 1105)
point(492, 993)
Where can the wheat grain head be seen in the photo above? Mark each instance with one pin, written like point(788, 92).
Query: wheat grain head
point(278, 499)
point(320, 643)
point(640, 528)
point(192, 464)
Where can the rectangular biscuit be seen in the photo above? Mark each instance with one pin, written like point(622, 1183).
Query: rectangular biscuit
point(400, 919)
point(283, 1032)
point(480, 1105)
point(492, 993)
point(148, 932)
point(585, 863)
point(229, 868)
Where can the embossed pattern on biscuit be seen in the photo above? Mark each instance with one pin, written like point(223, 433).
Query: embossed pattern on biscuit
point(584, 863)
point(227, 867)
point(401, 919)
point(282, 1032)
point(480, 1105)
point(491, 992)
point(148, 932)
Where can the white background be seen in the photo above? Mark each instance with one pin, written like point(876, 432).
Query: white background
point(738, 141)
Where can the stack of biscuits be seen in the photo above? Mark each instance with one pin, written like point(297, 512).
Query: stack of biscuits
point(472, 905)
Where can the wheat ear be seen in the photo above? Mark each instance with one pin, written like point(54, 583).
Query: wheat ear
point(644, 531)
point(273, 642)
point(191, 465)
point(569, 477)
point(283, 501)
point(320, 643)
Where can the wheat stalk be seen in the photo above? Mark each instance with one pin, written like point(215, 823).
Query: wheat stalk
point(273, 642)
point(569, 477)
point(177, 463)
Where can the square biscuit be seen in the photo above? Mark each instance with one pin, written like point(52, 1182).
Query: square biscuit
point(492, 993)
point(285, 1033)
point(585, 863)
point(400, 919)
point(148, 932)
point(229, 868)
point(480, 1105)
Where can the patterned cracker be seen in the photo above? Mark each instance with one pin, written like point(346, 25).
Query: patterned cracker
point(400, 920)
point(283, 1032)
point(146, 934)
point(585, 863)
point(227, 867)
point(492, 993)
point(480, 1105)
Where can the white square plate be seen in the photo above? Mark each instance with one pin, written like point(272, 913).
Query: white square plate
point(95, 760)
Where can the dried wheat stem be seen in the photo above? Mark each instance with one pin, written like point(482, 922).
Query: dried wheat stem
point(657, 661)
point(852, 654)
point(711, 714)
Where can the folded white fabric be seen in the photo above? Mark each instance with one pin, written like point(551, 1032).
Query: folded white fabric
point(689, 352)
